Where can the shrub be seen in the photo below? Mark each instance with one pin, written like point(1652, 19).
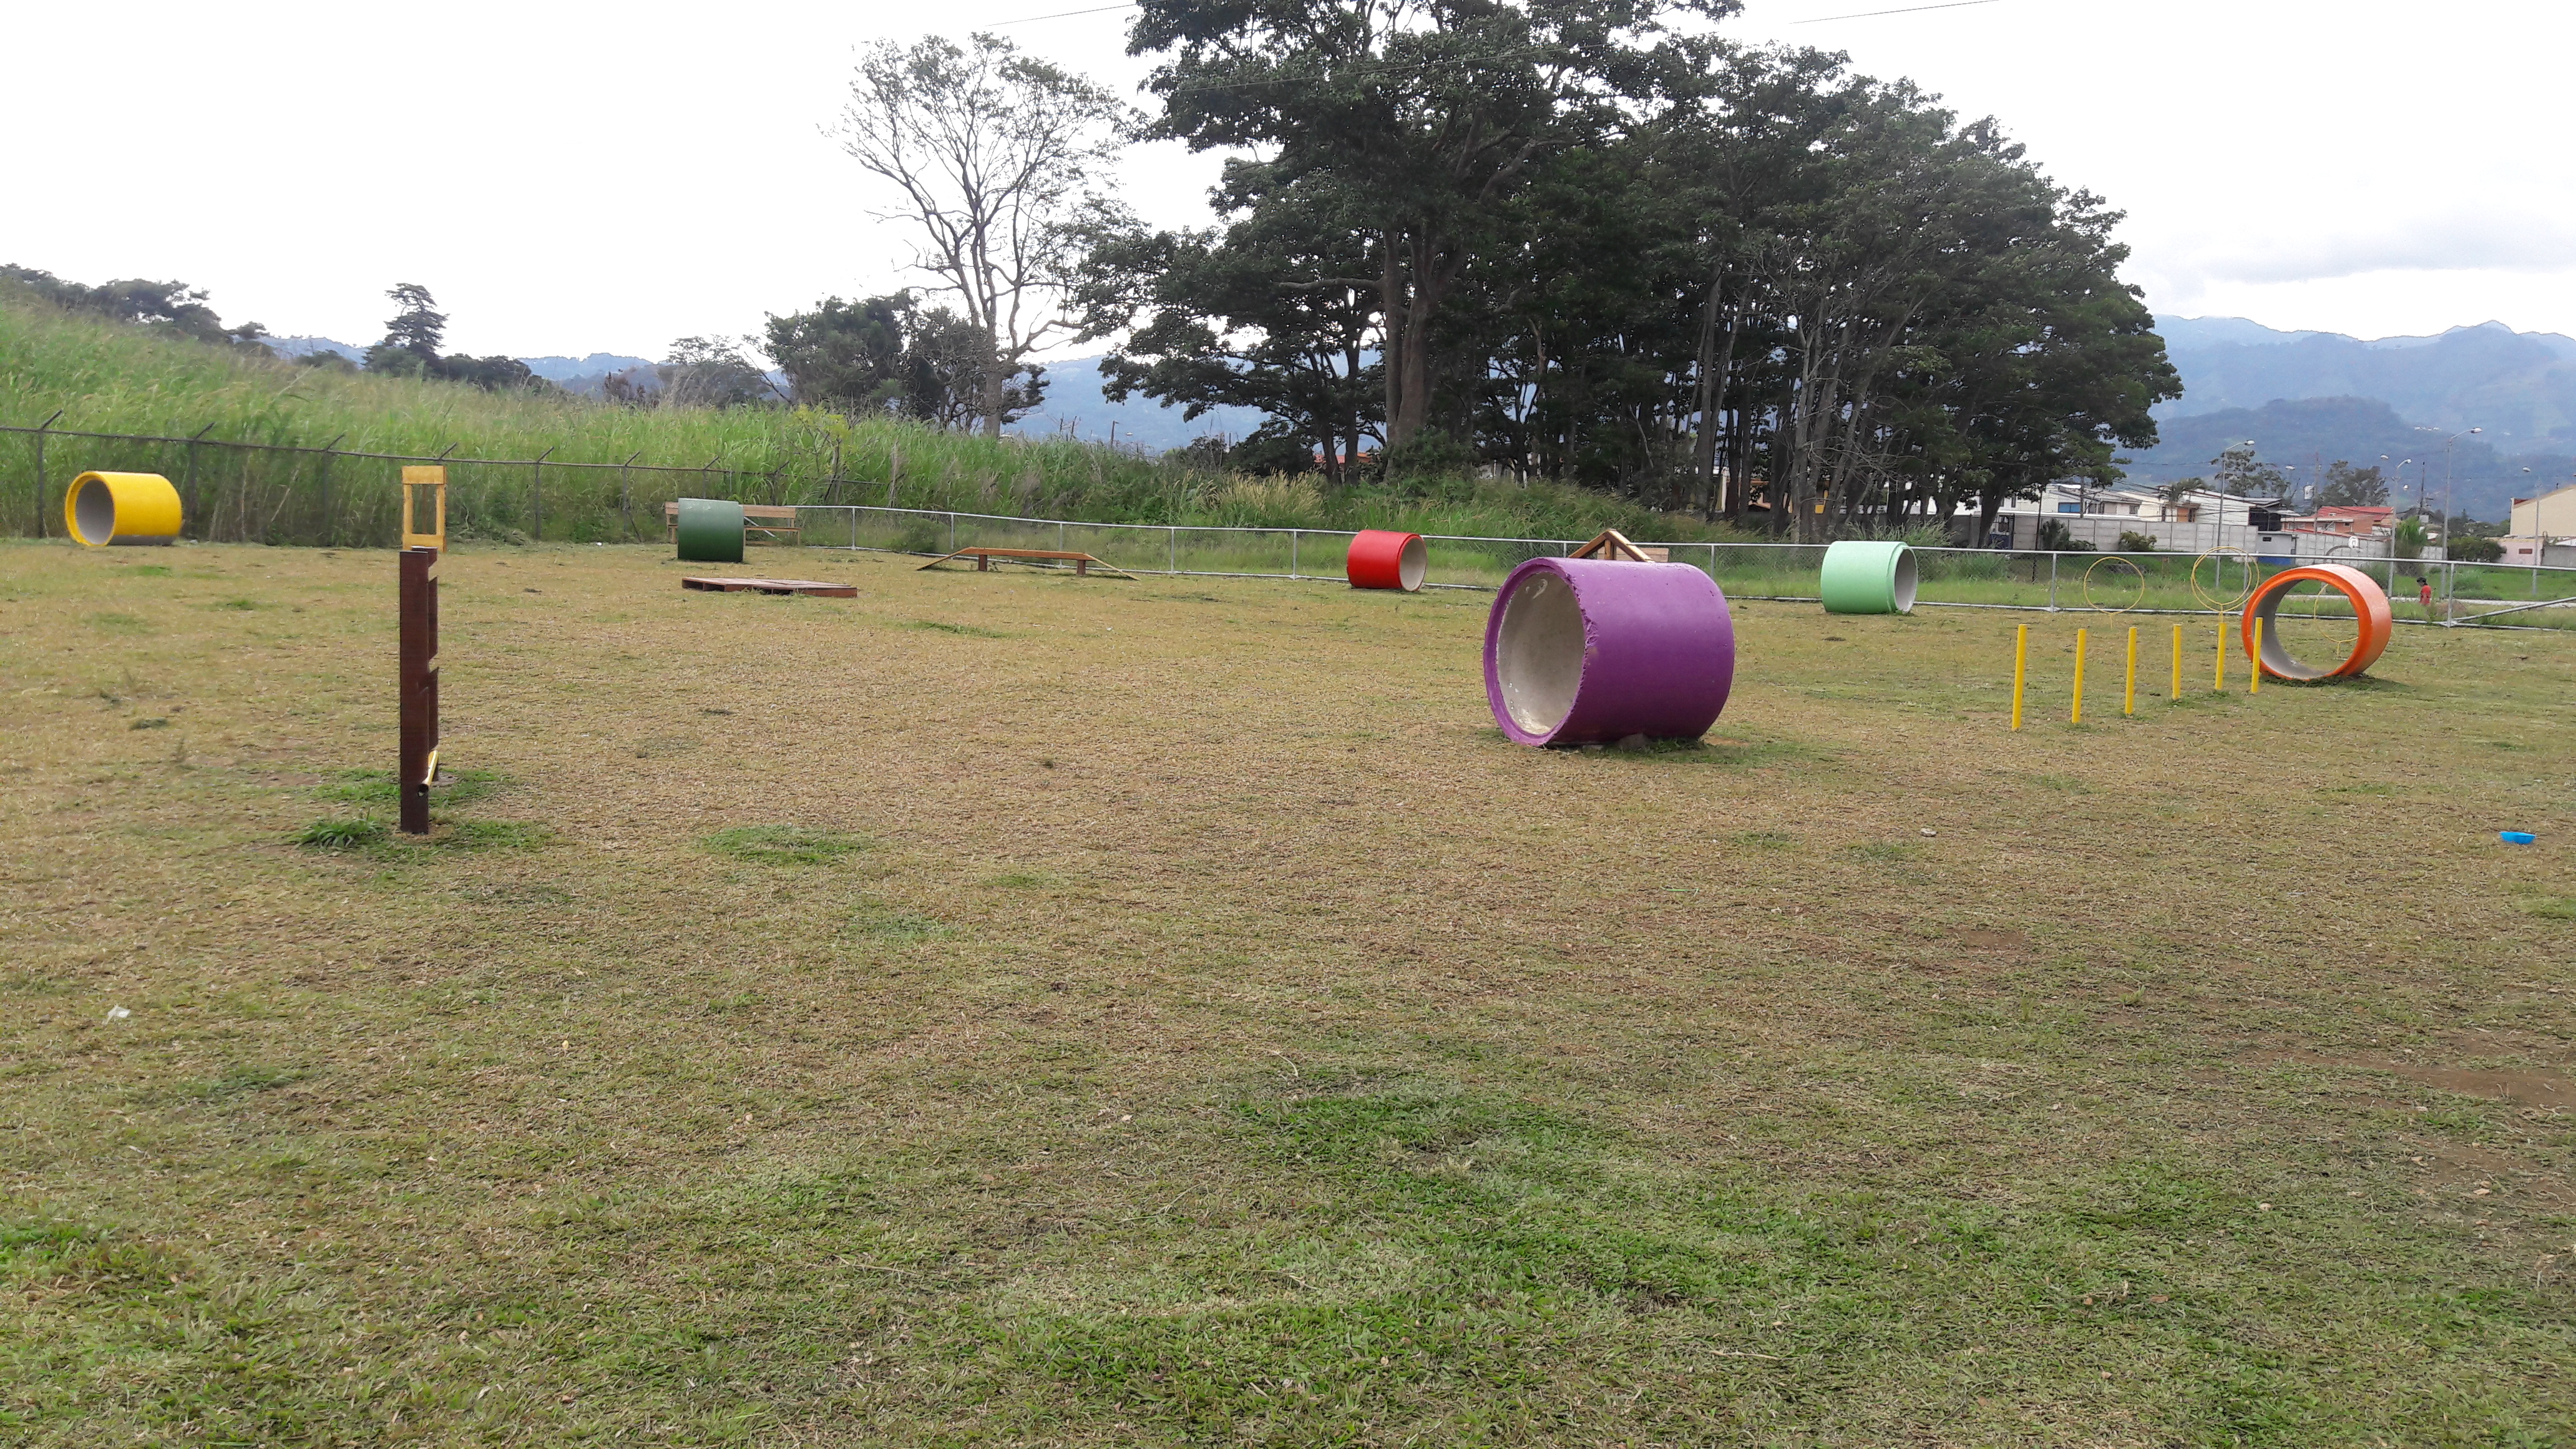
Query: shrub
point(2132, 541)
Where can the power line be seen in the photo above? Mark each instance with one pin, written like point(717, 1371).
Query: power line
point(1908, 10)
point(1819, 20)
point(1061, 15)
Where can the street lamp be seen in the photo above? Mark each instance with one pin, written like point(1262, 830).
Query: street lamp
point(2450, 494)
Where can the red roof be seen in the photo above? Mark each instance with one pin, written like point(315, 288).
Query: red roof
point(2357, 514)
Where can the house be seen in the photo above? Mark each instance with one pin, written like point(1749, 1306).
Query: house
point(2346, 522)
point(2541, 527)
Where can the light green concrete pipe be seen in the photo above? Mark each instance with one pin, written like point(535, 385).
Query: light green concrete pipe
point(1868, 578)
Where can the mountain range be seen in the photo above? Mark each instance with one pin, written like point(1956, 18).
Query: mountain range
point(2305, 399)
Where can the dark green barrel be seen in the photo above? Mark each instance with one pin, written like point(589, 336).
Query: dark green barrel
point(710, 530)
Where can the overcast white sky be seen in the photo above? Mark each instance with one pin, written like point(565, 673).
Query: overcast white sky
point(579, 178)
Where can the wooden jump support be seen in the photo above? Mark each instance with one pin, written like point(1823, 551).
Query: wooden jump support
point(1610, 543)
point(983, 557)
point(774, 586)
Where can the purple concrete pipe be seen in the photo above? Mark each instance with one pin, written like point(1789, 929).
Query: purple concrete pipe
point(1584, 651)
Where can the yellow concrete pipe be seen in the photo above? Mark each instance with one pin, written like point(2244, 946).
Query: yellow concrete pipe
point(100, 509)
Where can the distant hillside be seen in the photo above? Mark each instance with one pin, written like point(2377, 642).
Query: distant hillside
point(2308, 398)
point(1073, 395)
point(307, 346)
point(2519, 386)
point(596, 365)
point(2307, 433)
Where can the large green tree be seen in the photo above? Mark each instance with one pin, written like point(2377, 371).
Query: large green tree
point(1569, 243)
point(1252, 316)
point(1411, 124)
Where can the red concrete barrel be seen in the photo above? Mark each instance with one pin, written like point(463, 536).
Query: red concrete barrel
point(1380, 559)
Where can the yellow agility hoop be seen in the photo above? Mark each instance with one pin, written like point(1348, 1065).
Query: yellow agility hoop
point(2217, 561)
point(2136, 596)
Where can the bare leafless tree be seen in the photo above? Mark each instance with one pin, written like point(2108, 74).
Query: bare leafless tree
point(1001, 160)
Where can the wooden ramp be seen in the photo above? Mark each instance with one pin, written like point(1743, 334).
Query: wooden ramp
point(775, 586)
point(1083, 563)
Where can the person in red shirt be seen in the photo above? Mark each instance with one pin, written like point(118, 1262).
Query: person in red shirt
point(2424, 594)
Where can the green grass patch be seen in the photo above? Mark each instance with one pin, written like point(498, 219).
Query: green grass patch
point(378, 788)
point(1021, 880)
point(118, 624)
point(966, 629)
point(2553, 908)
point(783, 844)
point(876, 921)
point(355, 832)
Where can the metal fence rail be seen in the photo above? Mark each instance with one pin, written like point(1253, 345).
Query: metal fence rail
point(1784, 572)
point(294, 496)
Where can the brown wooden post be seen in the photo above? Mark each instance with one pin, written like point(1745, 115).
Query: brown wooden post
point(417, 686)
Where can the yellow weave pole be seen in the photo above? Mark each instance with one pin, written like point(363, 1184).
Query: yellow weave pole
point(2257, 661)
point(2129, 696)
point(2218, 664)
point(2021, 668)
point(2175, 692)
point(2079, 678)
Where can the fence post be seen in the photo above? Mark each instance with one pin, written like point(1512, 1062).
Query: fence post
point(1171, 550)
point(1292, 552)
point(190, 511)
point(2052, 582)
point(952, 533)
point(40, 472)
point(626, 492)
point(537, 494)
point(327, 456)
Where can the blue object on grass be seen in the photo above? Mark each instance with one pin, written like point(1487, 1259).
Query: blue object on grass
point(2516, 837)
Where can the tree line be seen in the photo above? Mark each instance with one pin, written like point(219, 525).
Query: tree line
point(1586, 240)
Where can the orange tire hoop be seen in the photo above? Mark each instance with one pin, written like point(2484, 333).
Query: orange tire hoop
point(2369, 608)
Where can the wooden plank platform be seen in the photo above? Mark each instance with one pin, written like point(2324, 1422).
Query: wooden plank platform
point(774, 586)
point(1083, 563)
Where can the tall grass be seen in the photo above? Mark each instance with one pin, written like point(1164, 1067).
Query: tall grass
point(108, 378)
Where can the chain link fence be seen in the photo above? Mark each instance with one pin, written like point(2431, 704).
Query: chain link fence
point(1950, 577)
point(243, 492)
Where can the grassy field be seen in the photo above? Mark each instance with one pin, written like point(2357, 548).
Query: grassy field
point(1013, 1009)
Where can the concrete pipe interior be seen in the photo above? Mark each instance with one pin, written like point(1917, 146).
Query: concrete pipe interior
point(2279, 661)
point(1410, 566)
point(1538, 655)
point(1905, 581)
point(94, 510)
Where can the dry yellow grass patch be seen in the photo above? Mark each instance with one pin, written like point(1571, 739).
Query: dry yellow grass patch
point(1008, 1008)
